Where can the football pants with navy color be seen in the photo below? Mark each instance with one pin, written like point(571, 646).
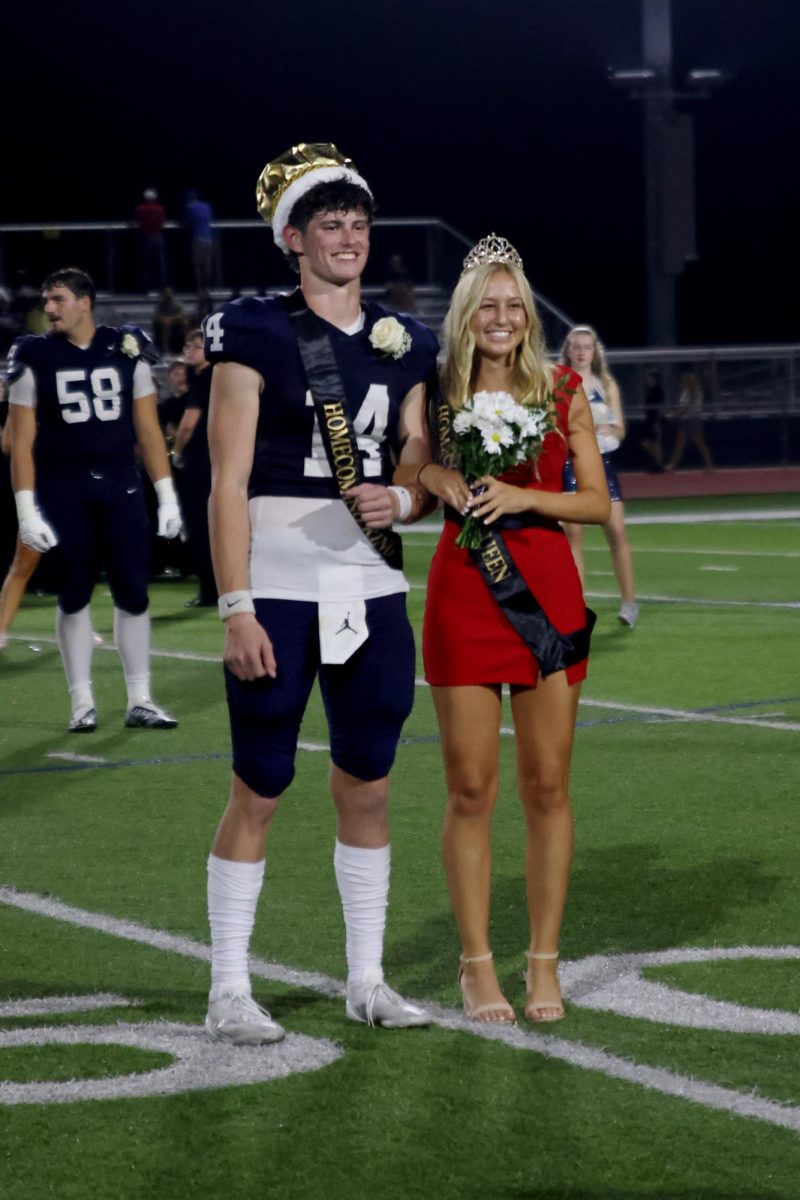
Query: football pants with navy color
point(100, 518)
point(367, 698)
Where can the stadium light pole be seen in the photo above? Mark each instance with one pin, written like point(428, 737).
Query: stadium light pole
point(668, 165)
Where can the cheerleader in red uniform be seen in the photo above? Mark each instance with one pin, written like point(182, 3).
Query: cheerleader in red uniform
point(476, 638)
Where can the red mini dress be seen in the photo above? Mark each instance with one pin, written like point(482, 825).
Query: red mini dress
point(466, 638)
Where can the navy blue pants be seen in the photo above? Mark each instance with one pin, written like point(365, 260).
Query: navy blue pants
point(367, 699)
point(100, 518)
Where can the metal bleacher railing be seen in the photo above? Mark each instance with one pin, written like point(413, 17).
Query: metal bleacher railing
point(431, 250)
point(752, 392)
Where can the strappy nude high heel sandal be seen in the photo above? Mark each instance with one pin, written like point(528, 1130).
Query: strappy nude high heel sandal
point(534, 1008)
point(474, 1012)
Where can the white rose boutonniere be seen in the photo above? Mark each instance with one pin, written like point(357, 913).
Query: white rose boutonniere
point(390, 337)
point(130, 345)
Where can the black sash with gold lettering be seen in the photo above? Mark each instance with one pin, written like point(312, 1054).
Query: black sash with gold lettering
point(553, 651)
point(335, 426)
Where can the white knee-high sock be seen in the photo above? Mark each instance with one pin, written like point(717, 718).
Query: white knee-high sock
point(233, 891)
point(75, 641)
point(362, 877)
point(132, 636)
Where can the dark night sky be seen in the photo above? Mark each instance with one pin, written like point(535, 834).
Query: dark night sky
point(491, 116)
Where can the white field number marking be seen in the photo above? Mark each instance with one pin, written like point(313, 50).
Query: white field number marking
point(610, 982)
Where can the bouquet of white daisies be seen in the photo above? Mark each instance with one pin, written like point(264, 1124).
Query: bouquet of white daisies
point(492, 433)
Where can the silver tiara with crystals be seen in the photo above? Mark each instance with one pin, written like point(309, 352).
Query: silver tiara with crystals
point(492, 249)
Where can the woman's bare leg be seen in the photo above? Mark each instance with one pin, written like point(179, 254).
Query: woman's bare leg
point(22, 567)
point(544, 720)
point(469, 721)
point(620, 547)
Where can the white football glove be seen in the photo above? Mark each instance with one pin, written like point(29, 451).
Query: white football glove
point(34, 531)
point(170, 521)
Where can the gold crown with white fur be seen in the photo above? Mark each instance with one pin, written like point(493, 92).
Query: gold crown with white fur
point(492, 249)
point(293, 173)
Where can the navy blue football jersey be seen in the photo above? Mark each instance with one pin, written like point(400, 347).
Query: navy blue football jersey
point(84, 397)
point(290, 456)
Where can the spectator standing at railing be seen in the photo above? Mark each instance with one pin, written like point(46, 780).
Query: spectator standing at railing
point(149, 217)
point(198, 219)
point(689, 415)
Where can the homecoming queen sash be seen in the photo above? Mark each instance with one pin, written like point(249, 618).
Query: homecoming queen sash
point(553, 651)
point(335, 425)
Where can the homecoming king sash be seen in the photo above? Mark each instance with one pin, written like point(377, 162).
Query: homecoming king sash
point(335, 425)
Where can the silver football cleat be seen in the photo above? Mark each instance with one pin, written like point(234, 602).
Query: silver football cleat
point(374, 1003)
point(83, 720)
point(236, 1018)
point(148, 716)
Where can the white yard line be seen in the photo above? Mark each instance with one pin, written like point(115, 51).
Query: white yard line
point(671, 713)
point(68, 756)
point(711, 517)
point(679, 714)
point(681, 550)
point(699, 602)
point(658, 1079)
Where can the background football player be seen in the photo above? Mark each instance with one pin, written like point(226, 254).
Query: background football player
point(304, 592)
point(82, 397)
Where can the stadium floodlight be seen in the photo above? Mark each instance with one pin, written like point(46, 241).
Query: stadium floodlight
point(631, 78)
point(705, 77)
point(703, 80)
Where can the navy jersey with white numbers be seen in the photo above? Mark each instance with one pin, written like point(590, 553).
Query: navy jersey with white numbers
point(84, 397)
point(290, 457)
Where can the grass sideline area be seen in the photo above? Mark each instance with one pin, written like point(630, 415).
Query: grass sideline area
point(674, 1075)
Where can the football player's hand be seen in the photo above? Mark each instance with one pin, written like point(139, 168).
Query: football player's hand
point(248, 651)
point(450, 486)
point(377, 505)
point(170, 522)
point(35, 533)
point(498, 498)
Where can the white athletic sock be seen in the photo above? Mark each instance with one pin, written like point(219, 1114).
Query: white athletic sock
point(233, 890)
point(75, 641)
point(362, 877)
point(132, 636)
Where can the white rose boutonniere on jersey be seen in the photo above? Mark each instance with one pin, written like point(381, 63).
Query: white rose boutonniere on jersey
point(390, 337)
point(130, 345)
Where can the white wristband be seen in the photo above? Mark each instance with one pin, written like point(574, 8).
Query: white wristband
point(165, 490)
point(233, 603)
point(404, 500)
point(26, 505)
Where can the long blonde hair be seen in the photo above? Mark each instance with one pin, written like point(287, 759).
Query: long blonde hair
point(532, 374)
point(599, 366)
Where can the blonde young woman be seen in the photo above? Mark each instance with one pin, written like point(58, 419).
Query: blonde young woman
point(494, 344)
point(584, 352)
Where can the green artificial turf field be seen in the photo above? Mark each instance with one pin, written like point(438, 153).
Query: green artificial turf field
point(675, 1073)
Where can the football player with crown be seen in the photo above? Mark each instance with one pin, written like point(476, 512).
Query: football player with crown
point(314, 398)
point(82, 398)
